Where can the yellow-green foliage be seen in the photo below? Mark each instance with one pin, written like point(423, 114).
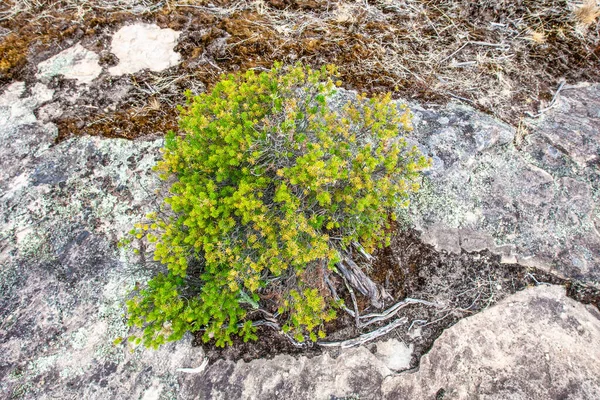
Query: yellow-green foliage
point(270, 183)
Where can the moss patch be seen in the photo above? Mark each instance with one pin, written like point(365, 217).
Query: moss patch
point(503, 57)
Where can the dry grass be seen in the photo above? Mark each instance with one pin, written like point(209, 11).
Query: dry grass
point(501, 56)
point(537, 37)
point(588, 12)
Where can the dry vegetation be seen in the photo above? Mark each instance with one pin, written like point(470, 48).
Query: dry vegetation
point(506, 57)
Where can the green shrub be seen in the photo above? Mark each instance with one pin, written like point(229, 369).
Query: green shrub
point(269, 183)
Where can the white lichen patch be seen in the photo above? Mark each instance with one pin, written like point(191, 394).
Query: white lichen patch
point(394, 354)
point(16, 109)
point(144, 46)
point(154, 391)
point(79, 338)
point(76, 62)
point(42, 364)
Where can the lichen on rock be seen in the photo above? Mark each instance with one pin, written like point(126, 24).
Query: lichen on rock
point(75, 62)
point(536, 205)
point(63, 281)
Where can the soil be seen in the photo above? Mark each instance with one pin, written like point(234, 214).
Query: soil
point(463, 284)
point(269, 345)
point(504, 57)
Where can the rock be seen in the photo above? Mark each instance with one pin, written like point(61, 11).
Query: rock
point(76, 62)
point(533, 345)
point(536, 205)
point(142, 46)
point(572, 126)
point(394, 354)
point(63, 281)
point(17, 109)
point(355, 372)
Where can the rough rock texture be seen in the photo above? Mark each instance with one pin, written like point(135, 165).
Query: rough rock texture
point(63, 282)
point(537, 205)
point(533, 345)
point(141, 46)
point(536, 344)
point(76, 62)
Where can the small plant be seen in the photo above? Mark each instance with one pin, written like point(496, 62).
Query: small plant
point(271, 184)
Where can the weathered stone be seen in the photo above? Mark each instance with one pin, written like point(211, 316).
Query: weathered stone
point(573, 125)
point(535, 345)
point(538, 205)
point(355, 372)
point(142, 46)
point(76, 62)
point(63, 282)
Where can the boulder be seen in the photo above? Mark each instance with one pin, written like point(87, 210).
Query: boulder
point(535, 345)
point(535, 204)
point(63, 280)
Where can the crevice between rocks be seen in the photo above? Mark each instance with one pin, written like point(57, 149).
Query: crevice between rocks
point(463, 284)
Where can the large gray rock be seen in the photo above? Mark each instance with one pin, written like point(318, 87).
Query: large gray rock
point(63, 282)
point(537, 205)
point(537, 344)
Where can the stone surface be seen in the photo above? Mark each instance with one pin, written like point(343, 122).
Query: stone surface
point(63, 282)
point(534, 345)
point(537, 344)
point(142, 46)
point(536, 205)
point(76, 62)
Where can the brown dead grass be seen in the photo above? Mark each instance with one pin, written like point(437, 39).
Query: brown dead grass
point(126, 124)
point(588, 12)
point(502, 56)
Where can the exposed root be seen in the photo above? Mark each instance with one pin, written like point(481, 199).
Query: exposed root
point(373, 318)
point(366, 337)
point(357, 278)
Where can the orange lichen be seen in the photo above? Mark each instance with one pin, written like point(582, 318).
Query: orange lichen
point(13, 55)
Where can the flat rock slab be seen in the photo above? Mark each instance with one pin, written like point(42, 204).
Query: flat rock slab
point(63, 281)
point(144, 46)
point(535, 345)
point(76, 62)
point(536, 205)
